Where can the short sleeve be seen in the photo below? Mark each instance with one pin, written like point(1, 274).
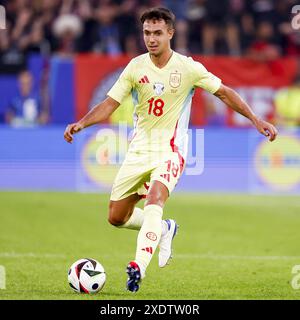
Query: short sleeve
point(203, 78)
point(123, 85)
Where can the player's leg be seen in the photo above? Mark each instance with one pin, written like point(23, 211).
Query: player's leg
point(129, 187)
point(125, 193)
point(149, 235)
point(124, 213)
point(168, 174)
point(163, 180)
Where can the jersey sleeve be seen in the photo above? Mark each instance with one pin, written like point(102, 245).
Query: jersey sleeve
point(123, 85)
point(203, 78)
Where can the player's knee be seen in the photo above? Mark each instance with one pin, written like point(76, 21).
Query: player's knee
point(115, 221)
point(157, 194)
point(114, 216)
point(154, 198)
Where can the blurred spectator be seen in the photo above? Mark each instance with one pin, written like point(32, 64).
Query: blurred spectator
point(264, 48)
point(128, 23)
point(179, 8)
point(290, 38)
point(195, 18)
point(12, 60)
point(25, 108)
point(247, 31)
point(86, 40)
point(48, 11)
point(292, 44)
point(106, 31)
point(261, 10)
point(220, 34)
point(287, 105)
point(67, 28)
point(36, 40)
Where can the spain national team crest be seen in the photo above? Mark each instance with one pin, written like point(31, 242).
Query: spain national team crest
point(158, 88)
point(175, 79)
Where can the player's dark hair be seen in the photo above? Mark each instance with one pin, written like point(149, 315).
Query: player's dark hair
point(159, 14)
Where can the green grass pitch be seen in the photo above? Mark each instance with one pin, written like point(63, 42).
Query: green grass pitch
point(228, 247)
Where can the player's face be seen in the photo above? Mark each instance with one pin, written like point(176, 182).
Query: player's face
point(157, 36)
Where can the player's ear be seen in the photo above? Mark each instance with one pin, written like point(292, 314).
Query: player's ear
point(171, 32)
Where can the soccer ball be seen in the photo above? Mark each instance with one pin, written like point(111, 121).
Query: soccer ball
point(86, 276)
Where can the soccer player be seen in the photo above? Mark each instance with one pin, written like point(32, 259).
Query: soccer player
point(162, 84)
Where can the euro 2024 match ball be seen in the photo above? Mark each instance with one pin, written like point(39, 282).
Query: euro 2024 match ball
point(86, 276)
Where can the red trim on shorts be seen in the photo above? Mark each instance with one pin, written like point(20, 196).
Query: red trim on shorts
point(146, 186)
point(175, 148)
point(143, 196)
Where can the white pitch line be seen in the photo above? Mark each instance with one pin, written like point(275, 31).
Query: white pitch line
point(30, 255)
point(233, 257)
point(208, 256)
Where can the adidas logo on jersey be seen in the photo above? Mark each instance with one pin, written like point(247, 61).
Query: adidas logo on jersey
point(144, 80)
point(148, 249)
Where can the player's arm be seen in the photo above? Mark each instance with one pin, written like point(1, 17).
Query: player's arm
point(99, 113)
point(234, 101)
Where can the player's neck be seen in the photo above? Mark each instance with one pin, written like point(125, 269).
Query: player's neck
point(162, 60)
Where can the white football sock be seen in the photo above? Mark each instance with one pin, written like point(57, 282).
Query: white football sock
point(136, 221)
point(149, 236)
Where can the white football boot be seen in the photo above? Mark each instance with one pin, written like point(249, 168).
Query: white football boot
point(165, 244)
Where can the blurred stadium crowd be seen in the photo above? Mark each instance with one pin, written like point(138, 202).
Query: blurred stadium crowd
point(230, 27)
point(260, 29)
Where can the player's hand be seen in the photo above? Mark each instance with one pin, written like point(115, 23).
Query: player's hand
point(71, 129)
point(266, 128)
